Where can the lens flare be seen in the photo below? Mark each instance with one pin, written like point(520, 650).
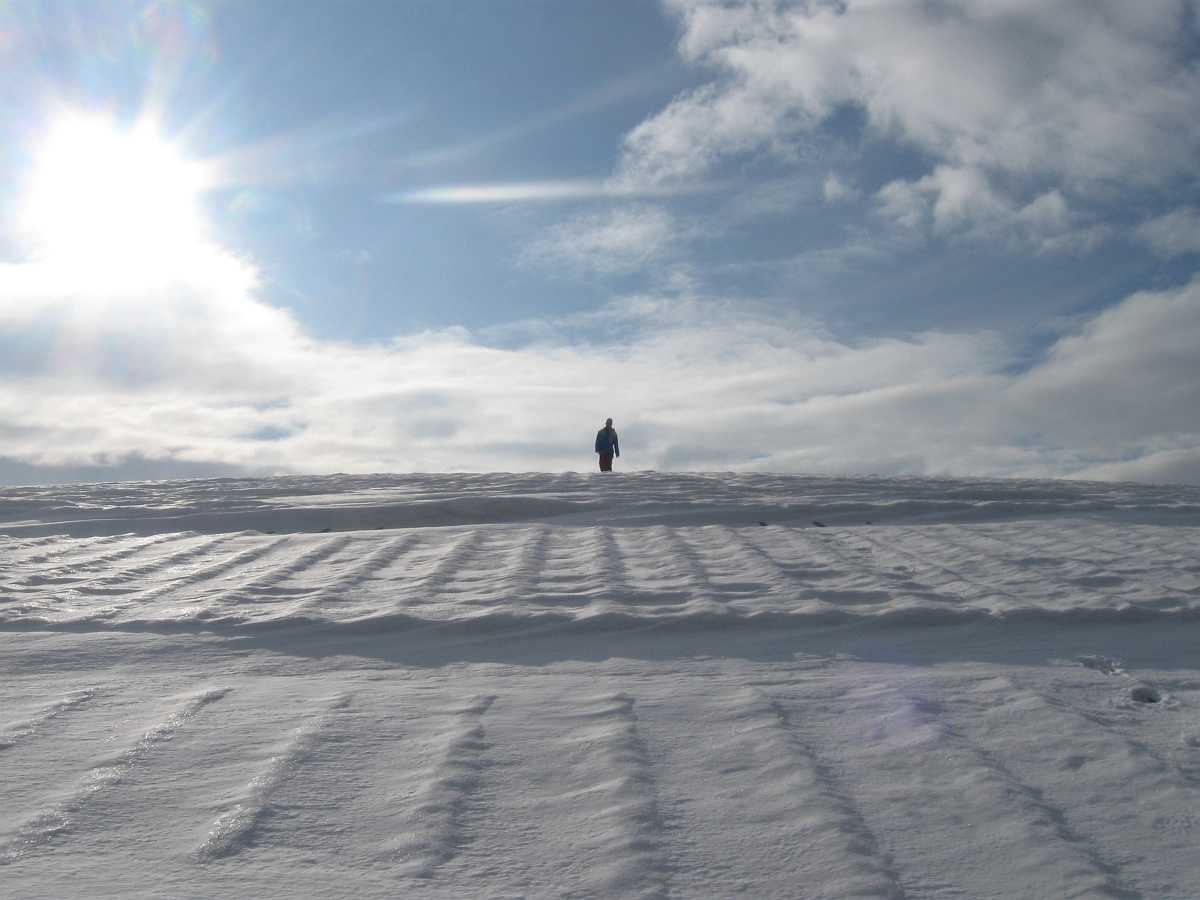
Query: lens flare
point(119, 205)
point(540, 191)
point(502, 193)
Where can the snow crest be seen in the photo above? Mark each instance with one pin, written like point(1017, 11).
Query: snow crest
point(435, 829)
point(57, 817)
point(234, 829)
point(13, 732)
point(587, 577)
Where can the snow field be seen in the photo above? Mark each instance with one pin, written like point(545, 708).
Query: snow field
point(630, 778)
point(569, 575)
point(653, 699)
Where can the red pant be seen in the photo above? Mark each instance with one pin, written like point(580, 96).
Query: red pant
point(606, 462)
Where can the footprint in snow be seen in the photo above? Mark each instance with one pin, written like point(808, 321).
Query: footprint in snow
point(1145, 694)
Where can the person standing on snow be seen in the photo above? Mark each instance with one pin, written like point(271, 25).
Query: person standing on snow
point(607, 446)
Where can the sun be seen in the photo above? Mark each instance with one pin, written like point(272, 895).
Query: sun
point(117, 205)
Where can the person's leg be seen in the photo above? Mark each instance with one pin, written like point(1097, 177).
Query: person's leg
point(606, 462)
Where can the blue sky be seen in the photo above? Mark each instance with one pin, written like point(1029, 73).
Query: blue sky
point(956, 237)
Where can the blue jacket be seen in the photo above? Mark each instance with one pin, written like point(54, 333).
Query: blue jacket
point(606, 441)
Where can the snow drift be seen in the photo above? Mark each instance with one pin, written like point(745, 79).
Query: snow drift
point(629, 686)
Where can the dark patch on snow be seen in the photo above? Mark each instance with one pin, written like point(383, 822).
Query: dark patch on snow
point(1145, 695)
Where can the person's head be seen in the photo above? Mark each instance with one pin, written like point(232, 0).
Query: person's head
point(608, 423)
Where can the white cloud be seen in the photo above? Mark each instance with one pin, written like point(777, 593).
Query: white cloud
point(1132, 370)
point(199, 371)
point(1023, 106)
point(1170, 466)
point(613, 242)
point(961, 202)
point(836, 190)
point(1173, 234)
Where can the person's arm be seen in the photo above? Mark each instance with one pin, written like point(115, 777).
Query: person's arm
point(616, 446)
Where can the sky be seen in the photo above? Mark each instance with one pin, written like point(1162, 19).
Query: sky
point(915, 237)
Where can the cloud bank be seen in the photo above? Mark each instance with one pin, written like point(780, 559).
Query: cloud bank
point(1026, 113)
point(198, 372)
point(1024, 124)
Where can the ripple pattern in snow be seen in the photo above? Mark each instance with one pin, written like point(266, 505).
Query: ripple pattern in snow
point(563, 686)
point(506, 576)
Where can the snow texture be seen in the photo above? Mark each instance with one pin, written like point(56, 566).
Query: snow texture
point(634, 686)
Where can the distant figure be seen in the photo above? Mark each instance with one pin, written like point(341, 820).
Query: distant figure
point(607, 446)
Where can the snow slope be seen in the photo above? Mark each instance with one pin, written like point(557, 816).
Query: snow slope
point(582, 686)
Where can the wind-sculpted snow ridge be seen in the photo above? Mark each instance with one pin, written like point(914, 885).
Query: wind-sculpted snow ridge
point(763, 776)
point(643, 686)
point(618, 798)
point(234, 829)
point(12, 732)
point(434, 830)
point(544, 576)
point(977, 761)
point(922, 763)
point(363, 502)
point(56, 817)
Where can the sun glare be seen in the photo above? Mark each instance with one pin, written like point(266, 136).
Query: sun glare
point(119, 205)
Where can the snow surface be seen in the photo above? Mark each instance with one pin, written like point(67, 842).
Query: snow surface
point(639, 685)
